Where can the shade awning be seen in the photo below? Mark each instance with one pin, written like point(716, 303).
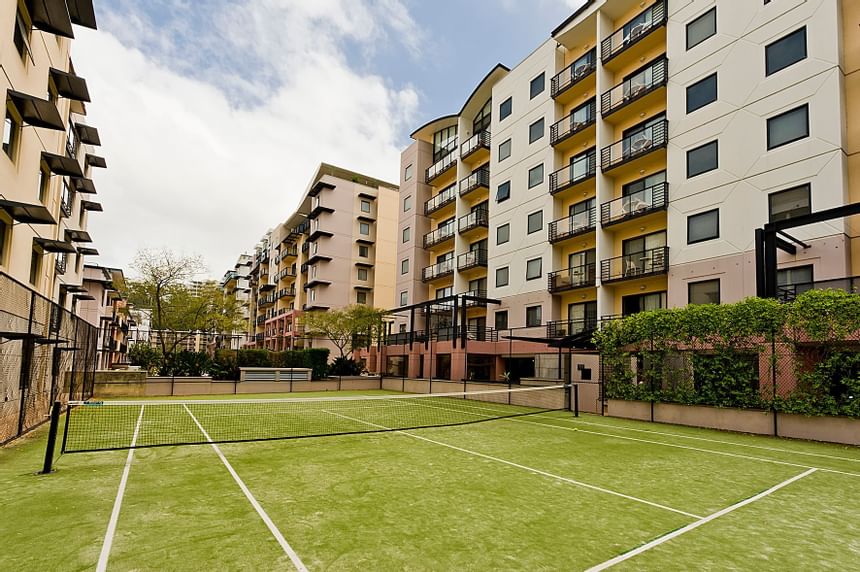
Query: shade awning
point(73, 288)
point(69, 85)
point(83, 185)
point(86, 251)
point(36, 112)
point(51, 245)
point(27, 213)
point(95, 161)
point(87, 134)
point(92, 206)
point(84, 297)
point(77, 236)
point(82, 13)
point(51, 16)
point(62, 165)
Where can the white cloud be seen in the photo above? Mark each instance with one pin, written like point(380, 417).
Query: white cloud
point(204, 153)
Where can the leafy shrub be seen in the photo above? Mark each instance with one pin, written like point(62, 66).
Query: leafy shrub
point(146, 357)
point(343, 365)
point(185, 363)
point(317, 360)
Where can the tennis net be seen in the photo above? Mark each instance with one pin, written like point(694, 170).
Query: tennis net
point(111, 425)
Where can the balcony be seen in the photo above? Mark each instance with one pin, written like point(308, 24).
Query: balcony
point(474, 144)
point(439, 236)
point(647, 81)
point(479, 179)
point(573, 225)
point(438, 270)
point(572, 278)
point(640, 203)
point(578, 121)
point(289, 252)
point(562, 328)
point(287, 293)
point(788, 292)
point(634, 31)
point(472, 259)
point(636, 265)
point(61, 264)
point(634, 146)
point(66, 204)
point(573, 74)
point(582, 168)
point(446, 162)
point(444, 198)
point(286, 273)
point(479, 218)
point(476, 303)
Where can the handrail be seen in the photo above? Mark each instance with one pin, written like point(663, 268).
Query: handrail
point(471, 259)
point(446, 162)
point(439, 235)
point(626, 36)
point(570, 278)
point(573, 225)
point(479, 178)
point(578, 120)
point(472, 144)
point(574, 73)
point(444, 197)
point(581, 168)
point(477, 218)
point(635, 264)
point(634, 88)
point(637, 203)
point(640, 143)
point(437, 270)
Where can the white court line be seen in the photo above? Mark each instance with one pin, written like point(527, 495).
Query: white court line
point(523, 467)
point(297, 562)
point(692, 526)
point(117, 503)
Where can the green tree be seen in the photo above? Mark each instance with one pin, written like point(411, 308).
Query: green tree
point(348, 328)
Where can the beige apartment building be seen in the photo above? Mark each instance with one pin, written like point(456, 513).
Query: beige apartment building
point(104, 306)
point(236, 284)
point(625, 165)
point(338, 248)
point(47, 159)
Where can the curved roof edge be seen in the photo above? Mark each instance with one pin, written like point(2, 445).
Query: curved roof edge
point(572, 17)
point(444, 118)
point(481, 83)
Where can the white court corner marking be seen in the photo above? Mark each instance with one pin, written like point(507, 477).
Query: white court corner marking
point(117, 503)
point(297, 562)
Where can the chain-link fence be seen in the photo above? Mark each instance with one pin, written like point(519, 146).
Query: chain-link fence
point(47, 354)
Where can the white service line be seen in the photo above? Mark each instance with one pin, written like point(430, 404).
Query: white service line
point(117, 503)
point(523, 467)
point(692, 526)
point(297, 562)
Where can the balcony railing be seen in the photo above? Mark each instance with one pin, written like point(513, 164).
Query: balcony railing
point(472, 259)
point(649, 199)
point(573, 225)
point(476, 303)
point(438, 270)
point(475, 143)
point(473, 333)
point(479, 178)
point(650, 139)
point(572, 278)
point(287, 292)
point(562, 328)
point(573, 74)
point(582, 168)
point(306, 247)
point(650, 79)
point(479, 218)
point(438, 236)
point(61, 264)
point(285, 253)
point(66, 204)
point(789, 292)
point(286, 272)
point(443, 164)
point(445, 197)
point(633, 31)
point(635, 265)
point(577, 121)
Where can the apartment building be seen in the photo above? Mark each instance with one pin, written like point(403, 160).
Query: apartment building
point(336, 249)
point(236, 284)
point(104, 306)
point(48, 157)
point(625, 165)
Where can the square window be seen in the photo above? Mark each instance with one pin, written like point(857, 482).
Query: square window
point(35, 266)
point(702, 93)
point(361, 297)
point(795, 276)
point(502, 276)
point(788, 127)
point(407, 234)
point(404, 298)
point(504, 150)
point(503, 192)
point(702, 28)
point(534, 268)
point(789, 203)
point(363, 251)
point(506, 108)
point(702, 159)
point(703, 226)
point(535, 222)
point(704, 292)
point(535, 176)
point(404, 266)
point(785, 52)
point(365, 206)
point(407, 203)
point(4, 231)
point(503, 234)
point(11, 131)
point(502, 320)
point(408, 172)
point(533, 316)
point(536, 130)
point(363, 228)
point(536, 86)
point(362, 274)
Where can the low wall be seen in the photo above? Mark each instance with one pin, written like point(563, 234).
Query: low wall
point(110, 383)
point(137, 384)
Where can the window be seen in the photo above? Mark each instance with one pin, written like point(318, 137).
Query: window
point(703, 226)
point(704, 292)
point(21, 35)
point(365, 206)
point(534, 268)
point(482, 119)
point(702, 159)
point(4, 231)
point(407, 234)
point(535, 222)
point(789, 203)
point(788, 127)
point(363, 228)
point(313, 295)
point(536, 130)
point(408, 172)
point(502, 320)
point(503, 234)
point(503, 192)
point(502, 276)
point(404, 266)
point(407, 203)
point(702, 93)
point(362, 274)
point(702, 28)
point(44, 184)
point(785, 52)
point(404, 298)
point(363, 251)
point(533, 316)
point(444, 142)
point(11, 131)
point(506, 108)
point(504, 150)
point(35, 267)
point(537, 86)
point(795, 280)
point(535, 176)
point(361, 297)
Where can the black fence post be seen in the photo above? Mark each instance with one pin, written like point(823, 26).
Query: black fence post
point(52, 438)
point(773, 382)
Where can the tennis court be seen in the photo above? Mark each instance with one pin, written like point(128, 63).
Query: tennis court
point(491, 481)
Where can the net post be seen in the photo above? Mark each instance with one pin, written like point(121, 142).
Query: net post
point(567, 405)
point(52, 438)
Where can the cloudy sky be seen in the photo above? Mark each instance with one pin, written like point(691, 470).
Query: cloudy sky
point(214, 114)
